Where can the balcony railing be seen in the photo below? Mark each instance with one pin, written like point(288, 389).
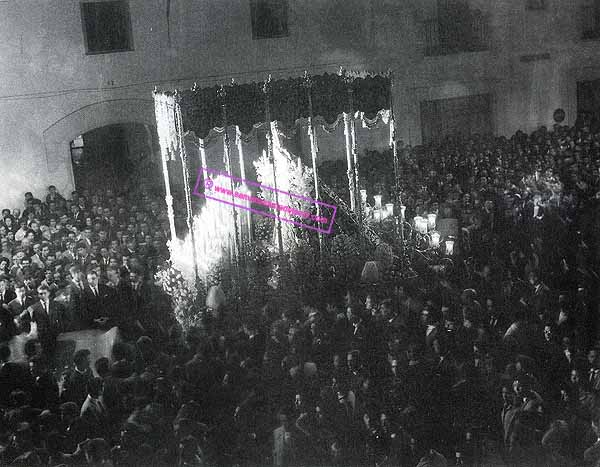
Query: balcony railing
point(590, 18)
point(445, 36)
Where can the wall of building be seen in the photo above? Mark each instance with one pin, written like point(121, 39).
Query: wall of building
point(51, 91)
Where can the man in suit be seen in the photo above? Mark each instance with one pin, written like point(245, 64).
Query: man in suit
point(104, 258)
point(93, 410)
point(75, 288)
point(594, 370)
point(83, 257)
point(7, 325)
point(70, 255)
point(76, 381)
point(13, 376)
point(19, 304)
point(76, 215)
point(125, 266)
point(49, 317)
point(95, 302)
point(54, 196)
point(140, 299)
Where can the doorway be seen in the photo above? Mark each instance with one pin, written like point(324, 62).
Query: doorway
point(122, 157)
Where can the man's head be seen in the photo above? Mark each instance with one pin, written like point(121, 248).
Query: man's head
point(574, 377)
point(593, 358)
point(102, 366)
point(38, 366)
point(92, 278)
point(20, 290)
point(352, 360)
point(548, 332)
point(81, 250)
point(81, 359)
point(69, 412)
point(76, 273)
point(43, 293)
point(49, 275)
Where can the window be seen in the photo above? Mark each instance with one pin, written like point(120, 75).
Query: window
point(536, 4)
point(457, 28)
point(106, 27)
point(590, 12)
point(269, 18)
point(464, 116)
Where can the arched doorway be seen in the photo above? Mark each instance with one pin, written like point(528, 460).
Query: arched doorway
point(122, 157)
point(59, 136)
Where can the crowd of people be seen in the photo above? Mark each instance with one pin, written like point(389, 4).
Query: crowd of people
point(503, 363)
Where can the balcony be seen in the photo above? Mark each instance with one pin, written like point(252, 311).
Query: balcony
point(450, 35)
point(590, 18)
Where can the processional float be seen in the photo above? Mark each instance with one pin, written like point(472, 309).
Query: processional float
point(273, 105)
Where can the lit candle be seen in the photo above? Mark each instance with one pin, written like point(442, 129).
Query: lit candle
point(377, 201)
point(389, 207)
point(435, 239)
point(431, 218)
point(449, 247)
point(363, 196)
point(422, 226)
point(402, 211)
point(377, 214)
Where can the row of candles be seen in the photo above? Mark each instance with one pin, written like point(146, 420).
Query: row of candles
point(423, 225)
point(378, 212)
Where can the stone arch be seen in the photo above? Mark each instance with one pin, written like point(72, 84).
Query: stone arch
point(58, 136)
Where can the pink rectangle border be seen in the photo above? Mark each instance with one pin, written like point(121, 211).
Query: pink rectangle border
point(207, 170)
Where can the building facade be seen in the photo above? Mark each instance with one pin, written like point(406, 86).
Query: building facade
point(68, 67)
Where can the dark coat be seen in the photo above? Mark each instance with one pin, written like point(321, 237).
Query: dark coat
point(76, 387)
point(49, 324)
point(92, 306)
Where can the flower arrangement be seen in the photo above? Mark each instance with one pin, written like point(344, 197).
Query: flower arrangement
point(183, 294)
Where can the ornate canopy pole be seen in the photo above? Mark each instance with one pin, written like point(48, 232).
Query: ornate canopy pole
point(393, 146)
point(354, 151)
point(164, 108)
point(267, 92)
point(186, 183)
point(202, 146)
point(227, 159)
point(348, 134)
point(314, 149)
point(240, 148)
point(169, 198)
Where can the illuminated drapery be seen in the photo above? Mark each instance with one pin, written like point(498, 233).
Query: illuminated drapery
point(201, 107)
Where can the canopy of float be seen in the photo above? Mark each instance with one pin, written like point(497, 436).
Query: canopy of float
point(201, 109)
